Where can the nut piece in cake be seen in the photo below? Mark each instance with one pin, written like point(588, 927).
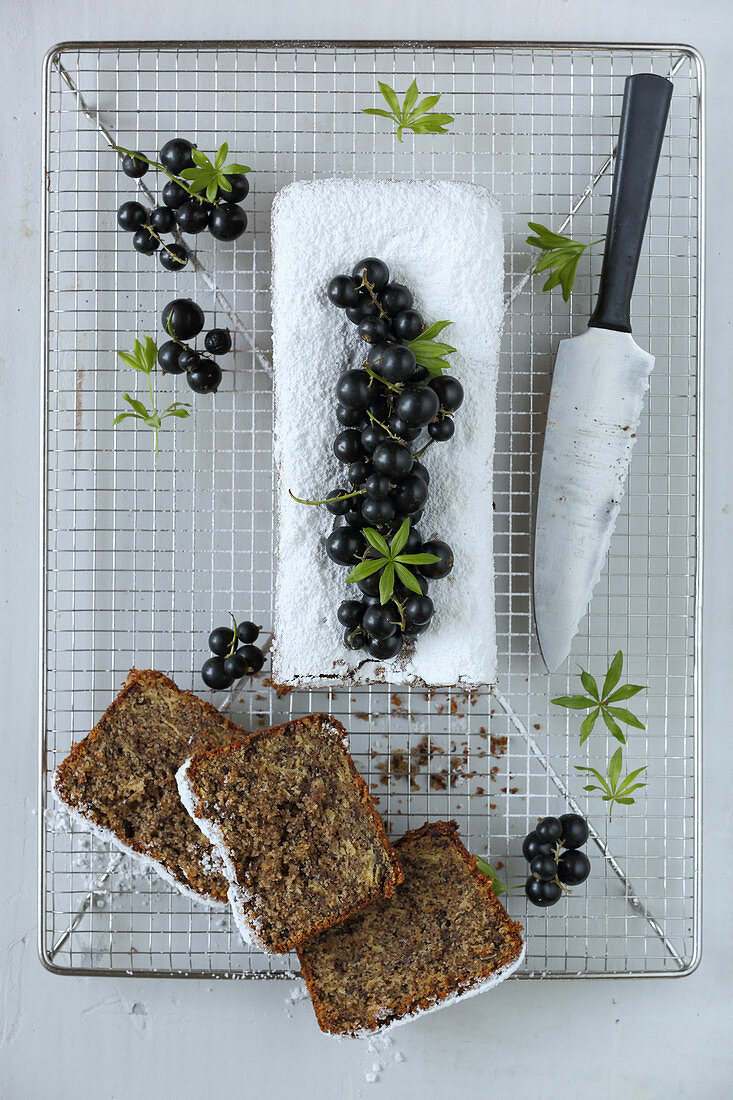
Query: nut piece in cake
point(443, 935)
point(293, 820)
point(121, 780)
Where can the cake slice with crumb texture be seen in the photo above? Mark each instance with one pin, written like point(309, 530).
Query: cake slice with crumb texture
point(295, 825)
point(442, 936)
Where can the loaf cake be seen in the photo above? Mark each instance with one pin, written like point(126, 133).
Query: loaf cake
point(442, 936)
point(120, 781)
point(296, 828)
point(444, 240)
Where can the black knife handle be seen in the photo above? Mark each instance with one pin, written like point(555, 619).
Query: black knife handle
point(643, 121)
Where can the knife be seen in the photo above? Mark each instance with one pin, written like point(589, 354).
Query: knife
point(597, 395)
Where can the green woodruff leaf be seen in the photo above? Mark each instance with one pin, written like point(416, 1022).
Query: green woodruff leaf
point(411, 115)
point(391, 562)
point(143, 358)
point(561, 256)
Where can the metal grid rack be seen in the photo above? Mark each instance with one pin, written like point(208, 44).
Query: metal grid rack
point(140, 558)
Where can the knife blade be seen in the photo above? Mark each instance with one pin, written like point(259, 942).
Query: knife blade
point(597, 396)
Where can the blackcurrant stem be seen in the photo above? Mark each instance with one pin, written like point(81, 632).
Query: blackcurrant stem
point(374, 420)
point(370, 290)
point(152, 233)
point(233, 646)
point(175, 339)
point(423, 449)
point(378, 378)
point(160, 168)
point(346, 496)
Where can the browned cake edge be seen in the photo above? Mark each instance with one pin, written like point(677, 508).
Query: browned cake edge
point(242, 898)
point(411, 1006)
point(81, 813)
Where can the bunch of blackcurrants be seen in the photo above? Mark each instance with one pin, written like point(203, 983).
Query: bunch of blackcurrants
point(180, 210)
point(230, 662)
point(555, 862)
point(383, 406)
point(183, 320)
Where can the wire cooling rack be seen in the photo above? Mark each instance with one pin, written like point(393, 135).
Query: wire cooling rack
point(140, 559)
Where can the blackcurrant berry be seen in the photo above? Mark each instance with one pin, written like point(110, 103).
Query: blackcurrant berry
point(193, 216)
point(421, 470)
point(134, 167)
point(174, 196)
point(376, 512)
point(542, 893)
point(414, 540)
point(183, 319)
point(352, 389)
point(354, 638)
point(218, 341)
point(131, 215)
point(205, 378)
point(168, 357)
point(173, 257)
point(395, 298)
point(189, 359)
point(338, 507)
point(347, 445)
point(549, 829)
point(418, 610)
point(543, 866)
point(162, 219)
point(220, 640)
point(354, 518)
point(392, 459)
point(350, 613)
point(365, 307)
point(247, 632)
point(176, 155)
point(377, 486)
point(379, 402)
point(573, 867)
point(449, 391)
point(372, 436)
point(417, 405)
point(409, 494)
point(369, 585)
point(574, 830)
point(532, 846)
point(343, 291)
point(350, 418)
point(358, 472)
point(398, 426)
point(345, 545)
point(254, 658)
point(376, 272)
point(239, 190)
point(442, 429)
point(442, 567)
point(144, 241)
point(380, 621)
point(383, 649)
point(235, 666)
point(375, 330)
point(407, 325)
point(213, 674)
point(227, 222)
point(402, 592)
point(396, 363)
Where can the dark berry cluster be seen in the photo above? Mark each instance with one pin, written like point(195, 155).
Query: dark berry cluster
point(180, 209)
point(183, 320)
point(551, 850)
point(383, 407)
point(235, 655)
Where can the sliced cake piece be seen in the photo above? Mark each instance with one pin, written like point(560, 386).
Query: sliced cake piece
point(443, 239)
point(442, 936)
point(295, 825)
point(121, 780)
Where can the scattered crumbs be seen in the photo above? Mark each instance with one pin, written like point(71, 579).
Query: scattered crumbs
point(497, 745)
point(440, 708)
point(414, 785)
point(480, 790)
point(372, 753)
point(260, 698)
point(513, 790)
point(482, 732)
point(353, 700)
point(279, 689)
point(500, 864)
point(492, 805)
point(536, 725)
point(493, 772)
point(362, 716)
point(376, 800)
point(439, 781)
point(397, 703)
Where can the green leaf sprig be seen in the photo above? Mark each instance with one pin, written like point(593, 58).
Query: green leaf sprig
point(411, 115)
point(603, 702)
point(497, 885)
point(561, 256)
point(143, 358)
point(430, 352)
point(392, 563)
point(204, 176)
point(612, 791)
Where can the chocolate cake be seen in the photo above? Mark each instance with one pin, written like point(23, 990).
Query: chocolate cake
point(296, 828)
point(121, 780)
point(442, 936)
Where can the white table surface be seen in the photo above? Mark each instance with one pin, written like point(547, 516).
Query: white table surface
point(97, 1037)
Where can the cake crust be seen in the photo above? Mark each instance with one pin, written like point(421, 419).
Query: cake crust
point(291, 826)
point(338, 957)
point(120, 780)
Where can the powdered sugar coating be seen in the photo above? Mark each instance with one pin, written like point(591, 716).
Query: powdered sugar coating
point(443, 239)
